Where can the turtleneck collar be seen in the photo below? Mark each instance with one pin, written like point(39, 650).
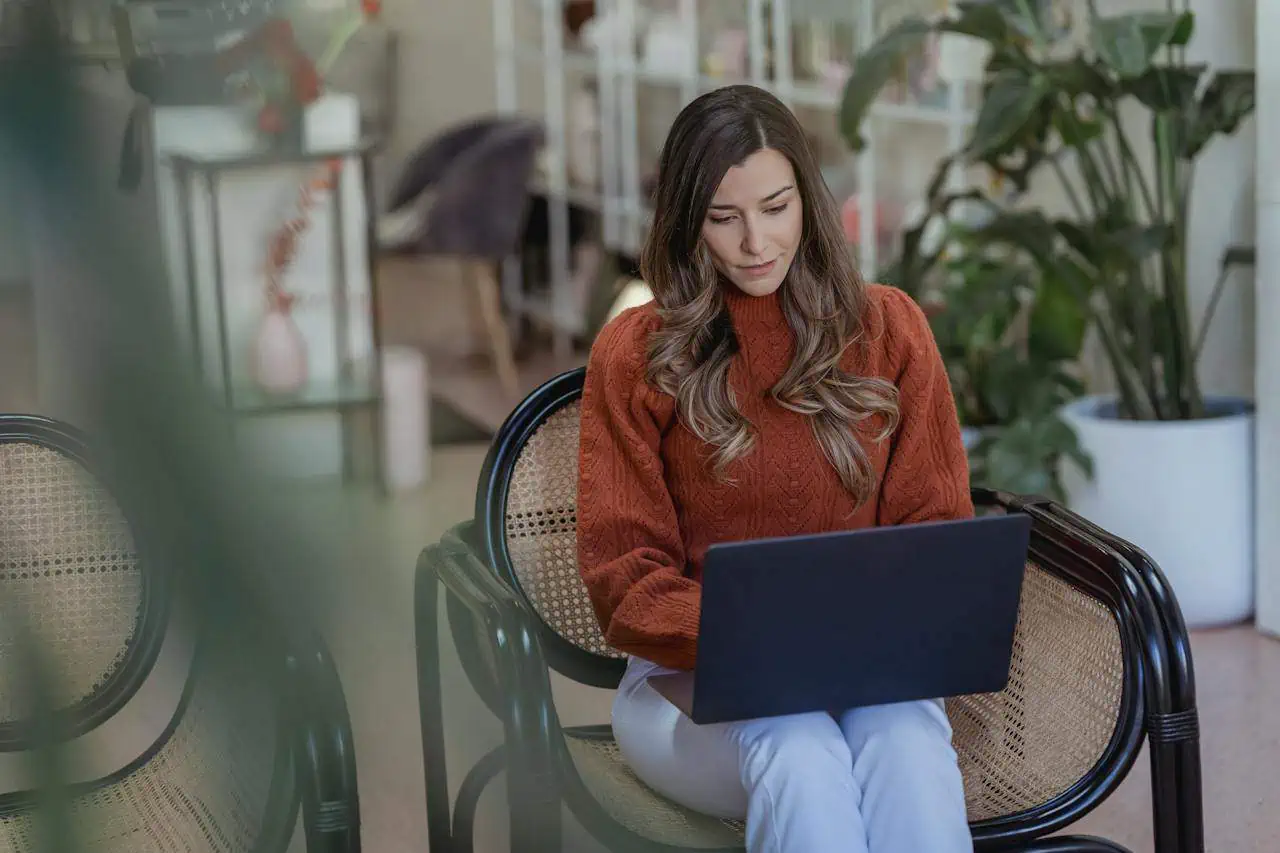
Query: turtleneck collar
point(753, 316)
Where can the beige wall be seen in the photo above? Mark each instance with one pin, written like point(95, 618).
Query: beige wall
point(446, 65)
point(1268, 321)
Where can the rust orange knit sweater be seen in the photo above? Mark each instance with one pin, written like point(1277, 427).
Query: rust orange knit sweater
point(649, 504)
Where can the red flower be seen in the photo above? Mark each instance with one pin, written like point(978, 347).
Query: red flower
point(371, 8)
point(274, 38)
point(278, 33)
point(305, 79)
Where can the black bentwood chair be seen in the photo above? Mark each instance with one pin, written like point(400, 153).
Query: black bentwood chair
point(91, 569)
point(1101, 662)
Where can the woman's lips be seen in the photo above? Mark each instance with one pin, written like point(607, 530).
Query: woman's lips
point(760, 270)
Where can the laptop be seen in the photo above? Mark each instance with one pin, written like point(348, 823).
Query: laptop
point(833, 621)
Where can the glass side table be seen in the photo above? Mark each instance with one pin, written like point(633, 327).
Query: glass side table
point(356, 386)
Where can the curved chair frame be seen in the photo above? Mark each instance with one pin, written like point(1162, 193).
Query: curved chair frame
point(314, 715)
point(508, 651)
point(153, 613)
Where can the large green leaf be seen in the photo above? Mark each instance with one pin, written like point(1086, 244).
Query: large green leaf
point(1058, 321)
point(1024, 456)
point(875, 68)
point(1136, 243)
point(1025, 18)
point(1129, 43)
point(1028, 230)
point(1166, 88)
point(1074, 130)
point(1007, 380)
point(1227, 101)
point(1078, 76)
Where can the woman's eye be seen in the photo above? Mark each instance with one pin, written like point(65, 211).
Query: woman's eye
point(774, 211)
point(719, 220)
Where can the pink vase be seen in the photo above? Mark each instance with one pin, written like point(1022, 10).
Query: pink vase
point(280, 354)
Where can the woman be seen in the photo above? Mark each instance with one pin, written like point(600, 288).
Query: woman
point(766, 391)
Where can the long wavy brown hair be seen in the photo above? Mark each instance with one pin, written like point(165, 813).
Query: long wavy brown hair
point(823, 298)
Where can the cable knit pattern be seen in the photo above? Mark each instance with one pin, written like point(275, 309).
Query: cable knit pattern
point(649, 504)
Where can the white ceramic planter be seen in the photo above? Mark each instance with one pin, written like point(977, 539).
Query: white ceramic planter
point(1183, 492)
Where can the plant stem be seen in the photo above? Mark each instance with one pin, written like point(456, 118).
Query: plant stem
point(1180, 379)
point(1218, 287)
point(1072, 196)
point(1133, 171)
point(1109, 166)
point(1102, 198)
point(1130, 399)
point(346, 31)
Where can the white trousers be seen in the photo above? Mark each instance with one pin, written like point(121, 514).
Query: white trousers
point(877, 780)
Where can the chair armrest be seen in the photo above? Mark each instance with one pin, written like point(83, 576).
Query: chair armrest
point(1171, 685)
point(323, 747)
point(534, 742)
point(1181, 671)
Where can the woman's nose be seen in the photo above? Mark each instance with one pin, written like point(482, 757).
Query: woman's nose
point(752, 240)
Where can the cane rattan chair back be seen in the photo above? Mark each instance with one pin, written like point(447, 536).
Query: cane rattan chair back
point(71, 578)
point(260, 727)
point(1069, 717)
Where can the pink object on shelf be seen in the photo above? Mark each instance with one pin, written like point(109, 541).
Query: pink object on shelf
point(850, 219)
point(888, 220)
point(280, 353)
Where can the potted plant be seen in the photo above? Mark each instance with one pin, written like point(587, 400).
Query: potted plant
point(1010, 344)
point(1173, 465)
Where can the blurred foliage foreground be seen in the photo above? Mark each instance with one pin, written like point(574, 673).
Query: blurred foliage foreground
point(138, 400)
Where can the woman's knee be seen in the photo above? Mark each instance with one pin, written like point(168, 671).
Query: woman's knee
point(904, 729)
point(811, 745)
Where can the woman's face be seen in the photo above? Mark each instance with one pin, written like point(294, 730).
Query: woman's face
point(755, 221)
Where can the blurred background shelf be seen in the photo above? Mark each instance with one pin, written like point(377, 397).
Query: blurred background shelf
point(607, 77)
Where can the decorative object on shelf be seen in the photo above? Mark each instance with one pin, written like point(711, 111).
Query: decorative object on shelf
point(576, 15)
point(669, 46)
point(280, 353)
point(607, 32)
point(727, 58)
point(270, 68)
point(888, 221)
point(1122, 252)
point(822, 49)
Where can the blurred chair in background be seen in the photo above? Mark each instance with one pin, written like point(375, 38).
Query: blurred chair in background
point(464, 196)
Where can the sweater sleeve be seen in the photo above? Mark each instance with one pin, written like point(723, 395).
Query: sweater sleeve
point(630, 551)
point(927, 475)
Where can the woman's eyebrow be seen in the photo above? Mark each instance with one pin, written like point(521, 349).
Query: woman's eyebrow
point(770, 197)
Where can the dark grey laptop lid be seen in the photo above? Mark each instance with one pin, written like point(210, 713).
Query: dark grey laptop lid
point(856, 618)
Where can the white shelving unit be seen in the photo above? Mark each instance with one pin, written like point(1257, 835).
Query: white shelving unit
point(639, 83)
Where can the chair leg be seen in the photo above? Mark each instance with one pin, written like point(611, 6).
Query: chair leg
point(468, 802)
point(489, 295)
point(431, 707)
point(1174, 745)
